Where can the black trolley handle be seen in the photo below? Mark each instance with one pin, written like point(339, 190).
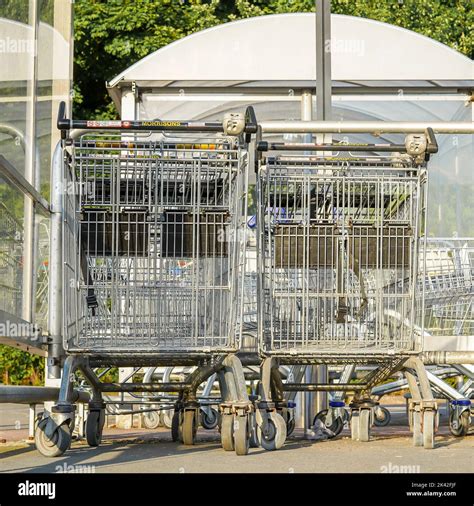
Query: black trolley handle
point(263, 146)
point(65, 124)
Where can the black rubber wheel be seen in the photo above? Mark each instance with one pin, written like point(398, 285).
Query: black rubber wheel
point(382, 416)
point(59, 442)
point(209, 421)
point(463, 424)
point(290, 426)
point(290, 421)
point(94, 426)
point(253, 438)
point(175, 436)
point(336, 426)
point(272, 436)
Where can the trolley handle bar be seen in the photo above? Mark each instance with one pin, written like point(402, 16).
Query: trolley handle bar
point(282, 146)
point(263, 146)
point(153, 125)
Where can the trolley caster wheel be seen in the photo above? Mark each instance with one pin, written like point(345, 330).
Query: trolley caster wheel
point(209, 420)
point(59, 442)
point(355, 424)
point(166, 418)
point(382, 416)
point(290, 421)
point(151, 419)
point(253, 438)
point(429, 424)
point(290, 427)
point(94, 426)
point(227, 432)
point(336, 426)
point(417, 434)
point(38, 418)
point(175, 427)
point(241, 435)
point(189, 427)
point(364, 425)
point(459, 427)
point(272, 435)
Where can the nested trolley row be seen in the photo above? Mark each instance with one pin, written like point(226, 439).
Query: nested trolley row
point(153, 264)
point(339, 247)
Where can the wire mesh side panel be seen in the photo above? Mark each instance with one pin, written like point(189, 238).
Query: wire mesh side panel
point(448, 284)
point(11, 266)
point(340, 246)
point(155, 259)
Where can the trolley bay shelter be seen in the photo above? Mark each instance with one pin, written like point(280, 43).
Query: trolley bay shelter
point(136, 274)
point(379, 72)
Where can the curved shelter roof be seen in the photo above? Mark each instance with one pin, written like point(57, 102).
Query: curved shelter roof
point(280, 48)
point(256, 61)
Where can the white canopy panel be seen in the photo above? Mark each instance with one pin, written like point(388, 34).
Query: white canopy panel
point(281, 47)
point(18, 45)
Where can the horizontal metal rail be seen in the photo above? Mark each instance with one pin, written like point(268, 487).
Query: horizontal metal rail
point(448, 357)
point(9, 172)
point(31, 395)
point(373, 127)
point(323, 387)
point(144, 387)
point(295, 146)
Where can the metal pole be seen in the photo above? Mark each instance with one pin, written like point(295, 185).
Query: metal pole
point(308, 408)
point(55, 300)
point(323, 60)
point(373, 127)
point(126, 373)
point(29, 217)
point(323, 113)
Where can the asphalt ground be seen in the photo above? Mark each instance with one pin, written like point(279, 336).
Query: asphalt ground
point(390, 450)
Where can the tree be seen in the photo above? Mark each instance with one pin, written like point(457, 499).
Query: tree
point(110, 36)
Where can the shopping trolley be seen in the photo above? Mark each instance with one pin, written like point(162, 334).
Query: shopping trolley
point(448, 287)
point(339, 239)
point(446, 283)
point(151, 264)
point(448, 290)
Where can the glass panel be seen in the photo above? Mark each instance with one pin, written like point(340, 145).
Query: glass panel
point(53, 85)
point(54, 81)
point(11, 249)
point(451, 178)
point(16, 62)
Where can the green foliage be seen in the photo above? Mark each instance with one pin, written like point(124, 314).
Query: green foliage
point(20, 368)
point(112, 35)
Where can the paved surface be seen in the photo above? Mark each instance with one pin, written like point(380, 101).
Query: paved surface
point(142, 451)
